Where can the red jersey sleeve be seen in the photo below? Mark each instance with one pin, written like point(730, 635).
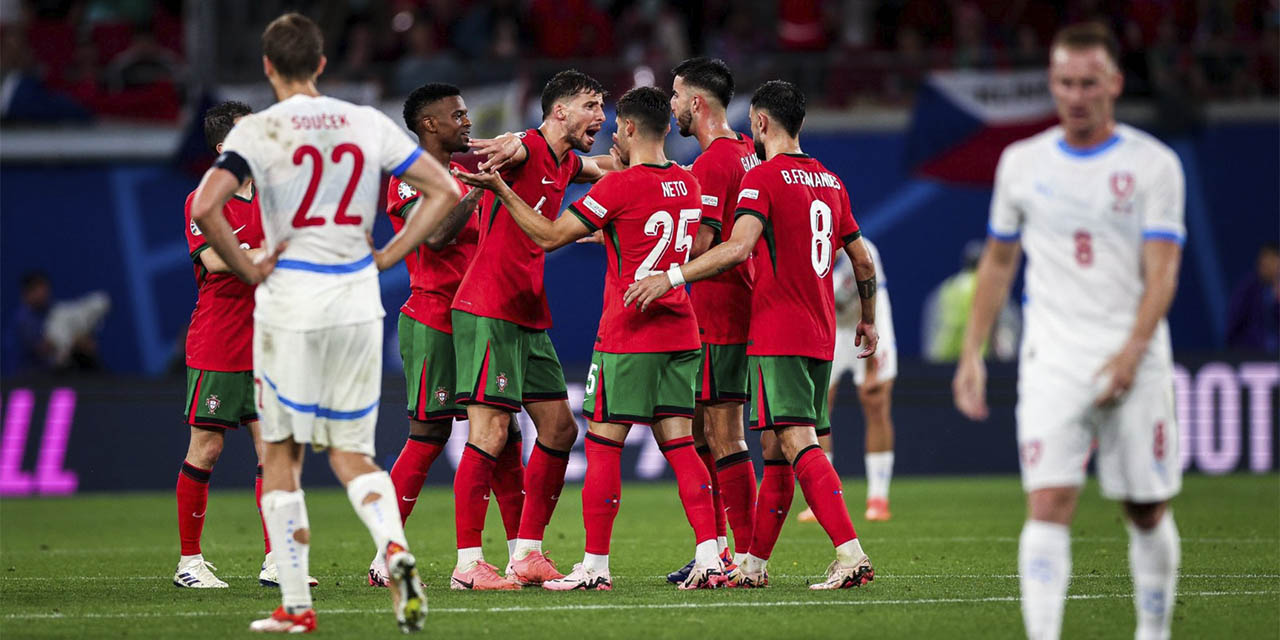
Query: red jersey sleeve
point(195, 239)
point(603, 203)
point(753, 196)
point(713, 182)
point(511, 173)
point(400, 197)
point(846, 227)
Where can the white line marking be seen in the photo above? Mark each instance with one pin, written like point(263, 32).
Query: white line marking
point(624, 607)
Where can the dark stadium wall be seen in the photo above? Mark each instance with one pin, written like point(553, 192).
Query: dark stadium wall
point(124, 433)
point(118, 228)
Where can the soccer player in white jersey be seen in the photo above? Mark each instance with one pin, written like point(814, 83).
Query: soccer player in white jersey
point(872, 376)
point(1098, 208)
point(317, 350)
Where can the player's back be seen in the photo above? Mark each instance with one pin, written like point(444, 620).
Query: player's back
point(1083, 217)
point(805, 212)
point(649, 215)
point(317, 162)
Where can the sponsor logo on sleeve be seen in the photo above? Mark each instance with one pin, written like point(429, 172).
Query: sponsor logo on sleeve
point(594, 206)
point(754, 194)
point(710, 201)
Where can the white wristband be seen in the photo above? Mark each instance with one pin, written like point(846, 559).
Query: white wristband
point(675, 277)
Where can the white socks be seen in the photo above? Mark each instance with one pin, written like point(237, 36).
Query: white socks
point(511, 550)
point(707, 553)
point(1154, 556)
point(381, 515)
point(752, 564)
point(1044, 570)
point(594, 562)
point(850, 552)
point(879, 472)
point(525, 547)
point(722, 543)
point(285, 513)
point(468, 557)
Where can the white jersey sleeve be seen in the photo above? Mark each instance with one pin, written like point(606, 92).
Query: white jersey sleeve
point(1005, 222)
point(398, 150)
point(1162, 210)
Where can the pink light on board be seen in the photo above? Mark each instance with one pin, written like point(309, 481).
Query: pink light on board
point(13, 444)
point(51, 478)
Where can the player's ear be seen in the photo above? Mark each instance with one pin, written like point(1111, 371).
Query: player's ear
point(1117, 84)
point(320, 69)
point(218, 148)
point(267, 69)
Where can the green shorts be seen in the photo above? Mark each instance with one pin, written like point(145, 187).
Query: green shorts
point(220, 399)
point(722, 373)
point(640, 388)
point(789, 391)
point(429, 371)
point(503, 364)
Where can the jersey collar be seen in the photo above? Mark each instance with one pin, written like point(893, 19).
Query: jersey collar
point(1088, 152)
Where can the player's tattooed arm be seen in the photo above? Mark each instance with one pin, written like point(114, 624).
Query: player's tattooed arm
point(864, 273)
point(867, 288)
point(439, 194)
point(506, 151)
point(721, 258)
point(545, 233)
point(454, 221)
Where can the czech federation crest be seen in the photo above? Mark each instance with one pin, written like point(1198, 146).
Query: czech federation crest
point(406, 191)
point(213, 403)
point(502, 382)
point(1122, 187)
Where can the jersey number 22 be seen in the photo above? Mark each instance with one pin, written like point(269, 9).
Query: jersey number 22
point(301, 218)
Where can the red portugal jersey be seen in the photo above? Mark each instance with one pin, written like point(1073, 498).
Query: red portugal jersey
point(220, 337)
point(434, 276)
point(505, 279)
point(649, 215)
point(723, 302)
point(806, 216)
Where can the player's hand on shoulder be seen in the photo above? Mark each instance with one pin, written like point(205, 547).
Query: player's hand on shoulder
point(969, 387)
point(866, 337)
point(642, 292)
point(499, 152)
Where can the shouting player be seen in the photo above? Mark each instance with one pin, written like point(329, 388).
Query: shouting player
point(643, 367)
point(791, 211)
point(317, 340)
point(1098, 207)
point(872, 376)
point(701, 91)
point(504, 356)
point(437, 114)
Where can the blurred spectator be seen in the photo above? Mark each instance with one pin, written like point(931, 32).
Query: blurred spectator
point(946, 315)
point(1253, 318)
point(356, 55)
point(24, 94)
point(425, 61)
point(971, 49)
point(49, 336)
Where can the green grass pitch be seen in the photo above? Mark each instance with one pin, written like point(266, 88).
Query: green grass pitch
point(100, 566)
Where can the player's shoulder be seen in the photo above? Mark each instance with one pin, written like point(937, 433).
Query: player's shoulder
point(1034, 144)
point(1146, 145)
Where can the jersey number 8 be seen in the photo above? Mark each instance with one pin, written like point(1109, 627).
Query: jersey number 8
point(820, 247)
point(661, 224)
point(301, 219)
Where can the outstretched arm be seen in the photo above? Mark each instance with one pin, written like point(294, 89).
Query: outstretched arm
point(545, 233)
point(721, 258)
point(996, 269)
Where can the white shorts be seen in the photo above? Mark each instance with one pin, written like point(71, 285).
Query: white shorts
point(1136, 440)
point(320, 386)
point(846, 359)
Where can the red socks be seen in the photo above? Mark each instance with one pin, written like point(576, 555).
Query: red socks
point(822, 490)
point(737, 477)
point(193, 500)
point(601, 491)
point(471, 494)
point(777, 488)
point(704, 454)
point(508, 485)
point(257, 497)
point(410, 470)
point(695, 486)
point(543, 480)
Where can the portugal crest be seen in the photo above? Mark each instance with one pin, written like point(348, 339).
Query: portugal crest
point(442, 396)
point(502, 382)
point(213, 403)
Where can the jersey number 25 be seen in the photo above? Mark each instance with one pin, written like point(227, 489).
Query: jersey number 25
point(661, 224)
point(301, 218)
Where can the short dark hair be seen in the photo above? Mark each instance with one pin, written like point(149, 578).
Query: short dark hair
point(1086, 35)
point(649, 108)
point(294, 45)
point(567, 84)
point(219, 120)
point(784, 102)
point(709, 74)
point(422, 97)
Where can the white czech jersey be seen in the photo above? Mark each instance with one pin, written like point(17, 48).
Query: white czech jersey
point(318, 164)
point(848, 304)
point(1082, 218)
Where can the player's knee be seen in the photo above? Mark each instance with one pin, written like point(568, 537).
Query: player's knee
point(205, 450)
point(873, 397)
point(1144, 516)
point(1052, 505)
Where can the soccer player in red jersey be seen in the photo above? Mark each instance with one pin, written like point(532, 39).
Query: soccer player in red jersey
point(504, 356)
point(644, 364)
point(437, 114)
point(791, 211)
point(701, 91)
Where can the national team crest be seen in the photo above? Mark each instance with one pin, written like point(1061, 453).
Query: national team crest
point(213, 403)
point(1122, 187)
point(502, 382)
point(406, 191)
point(442, 396)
